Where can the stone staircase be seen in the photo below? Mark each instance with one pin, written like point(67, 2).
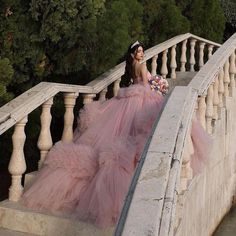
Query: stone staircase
point(16, 220)
point(6, 232)
point(23, 221)
point(182, 79)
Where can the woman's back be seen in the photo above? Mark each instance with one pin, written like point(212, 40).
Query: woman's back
point(140, 73)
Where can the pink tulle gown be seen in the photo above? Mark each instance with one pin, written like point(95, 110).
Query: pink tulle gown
point(202, 146)
point(89, 177)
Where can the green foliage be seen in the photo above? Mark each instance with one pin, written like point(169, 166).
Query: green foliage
point(67, 29)
point(206, 18)
point(162, 20)
point(6, 75)
point(116, 30)
point(18, 44)
point(229, 8)
point(73, 41)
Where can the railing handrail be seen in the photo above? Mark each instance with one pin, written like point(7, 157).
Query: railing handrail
point(211, 68)
point(24, 104)
point(21, 106)
point(160, 223)
point(166, 143)
point(199, 85)
point(111, 75)
point(173, 41)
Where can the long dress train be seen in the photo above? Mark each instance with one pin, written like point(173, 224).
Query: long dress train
point(90, 176)
point(202, 143)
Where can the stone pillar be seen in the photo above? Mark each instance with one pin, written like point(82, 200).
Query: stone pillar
point(186, 170)
point(164, 69)
point(226, 78)
point(209, 109)
point(116, 87)
point(202, 110)
point(210, 50)
point(232, 72)
point(88, 98)
point(17, 165)
point(192, 54)
point(216, 100)
point(102, 95)
point(173, 64)
point(221, 87)
point(183, 58)
point(69, 101)
point(45, 138)
point(201, 55)
point(154, 65)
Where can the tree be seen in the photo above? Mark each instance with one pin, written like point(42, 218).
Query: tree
point(19, 45)
point(67, 30)
point(229, 8)
point(162, 20)
point(206, 18)
point(119, 26)
point(6, 76)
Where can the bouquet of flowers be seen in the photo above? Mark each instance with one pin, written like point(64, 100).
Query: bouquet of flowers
point(158, 83)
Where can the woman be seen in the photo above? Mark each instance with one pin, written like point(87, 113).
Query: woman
point(89, 177)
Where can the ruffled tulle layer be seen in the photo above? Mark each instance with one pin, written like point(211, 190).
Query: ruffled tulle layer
point(202, 143)
point(89, 177)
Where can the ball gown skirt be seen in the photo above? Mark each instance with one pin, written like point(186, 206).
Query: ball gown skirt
point(89, 177)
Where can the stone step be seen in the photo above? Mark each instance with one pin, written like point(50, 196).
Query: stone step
point(15, 217)
point(6, 232)
point(182, 79)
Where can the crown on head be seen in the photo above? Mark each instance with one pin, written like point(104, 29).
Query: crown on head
point(134, 44)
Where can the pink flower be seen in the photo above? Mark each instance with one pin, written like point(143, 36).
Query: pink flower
point(158, 83)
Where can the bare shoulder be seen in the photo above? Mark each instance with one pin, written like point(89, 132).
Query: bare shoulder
point(143, 66)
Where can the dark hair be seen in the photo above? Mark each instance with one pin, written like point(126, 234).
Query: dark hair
point(126, 79)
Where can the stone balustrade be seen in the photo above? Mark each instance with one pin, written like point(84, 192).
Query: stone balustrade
point(167, 198)
point(163, 58)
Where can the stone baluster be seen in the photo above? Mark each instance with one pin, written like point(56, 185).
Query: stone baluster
point(183, 58)
point(45, 138)
point(221, 87)
point(202, 110)
point(154, 65)
point(210, 50)
point(186, 170)
point(69, 101)
point(232, 72)
point(88, 98)
point(102, 95)
point(173, 64)
point(17, 165)
point(226, 78)
point(201, 55)
point(164, 69)
point(116, 87)
point(216, 100)
point(192, 54)
point(209, 109)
